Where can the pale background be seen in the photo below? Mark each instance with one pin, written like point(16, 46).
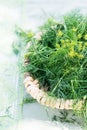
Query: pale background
point(27, 14)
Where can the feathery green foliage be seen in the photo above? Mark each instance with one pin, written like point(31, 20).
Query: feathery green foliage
point(58, 56)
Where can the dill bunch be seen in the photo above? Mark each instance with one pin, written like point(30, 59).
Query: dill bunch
point(58, 57)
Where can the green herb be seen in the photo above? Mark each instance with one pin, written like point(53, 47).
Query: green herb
point(58, 56)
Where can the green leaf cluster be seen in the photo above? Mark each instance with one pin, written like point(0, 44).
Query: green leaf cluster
point(58, 59)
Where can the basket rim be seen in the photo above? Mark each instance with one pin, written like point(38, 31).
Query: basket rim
point(32, 88)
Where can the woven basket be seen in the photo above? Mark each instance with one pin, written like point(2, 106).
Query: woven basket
point(33, 88)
